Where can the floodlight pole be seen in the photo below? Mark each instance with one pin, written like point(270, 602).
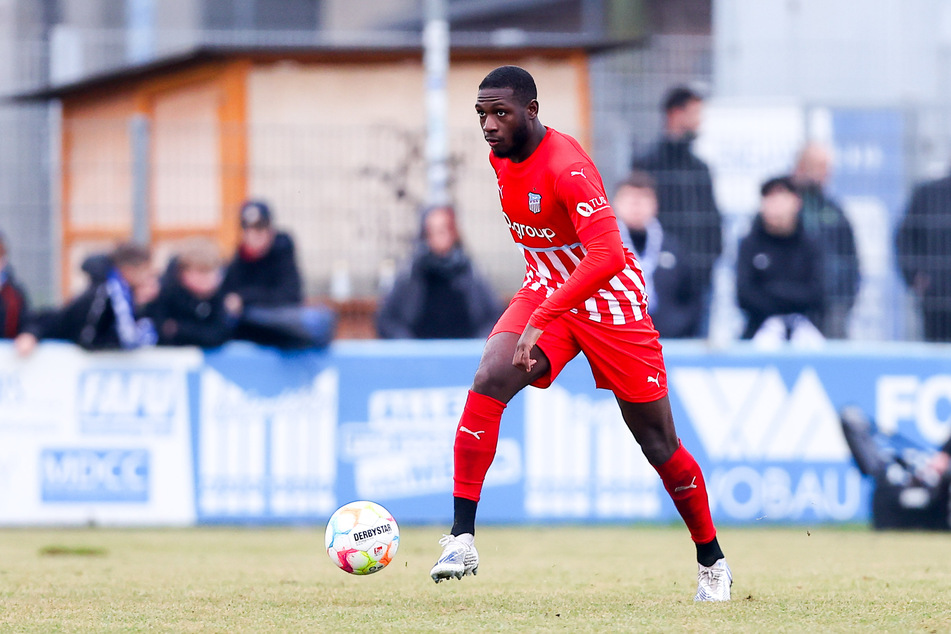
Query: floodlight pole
point(436, 63)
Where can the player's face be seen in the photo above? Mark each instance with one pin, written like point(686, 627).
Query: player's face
point(505, 123)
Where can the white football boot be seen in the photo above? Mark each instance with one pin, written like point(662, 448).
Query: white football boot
point(459, 558)
point(713, 582)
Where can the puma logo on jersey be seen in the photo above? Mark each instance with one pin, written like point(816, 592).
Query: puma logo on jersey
point(692, 485)
point(580, 173)
point(654, 379)
point(474, 433)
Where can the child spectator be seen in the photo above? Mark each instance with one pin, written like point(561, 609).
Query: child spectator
point(109, 313)
point(13, 299)
point(189, 310)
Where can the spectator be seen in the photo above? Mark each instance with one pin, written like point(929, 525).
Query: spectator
point(685, 203)
point(109, 313)
point(923, 245)
point(14, 305)
point(824, 220)
point(674, 301)
point(439, 295)
point(262, 288)
point(190, 310)
point(778, 271)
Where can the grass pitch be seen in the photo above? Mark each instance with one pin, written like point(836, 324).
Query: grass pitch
point(573, 579)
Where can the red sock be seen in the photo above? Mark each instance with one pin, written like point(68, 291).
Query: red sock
point(476, 439)
point(683, 480)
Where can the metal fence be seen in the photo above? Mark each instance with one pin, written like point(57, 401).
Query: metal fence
point(351, 196)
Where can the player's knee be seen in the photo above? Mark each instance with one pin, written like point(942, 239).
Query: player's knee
point(493, 383)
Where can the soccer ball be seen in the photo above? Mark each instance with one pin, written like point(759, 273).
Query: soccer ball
point(362, 537)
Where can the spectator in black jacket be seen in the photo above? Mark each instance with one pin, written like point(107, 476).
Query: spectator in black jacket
point(778, 271)
point(673, 299)
point(826, 222)
point(109, 313)
point(439, 295)
point(190, 310)
point(263, 290)
point(264, 270)
point(14, 305)
point(923, 244)
point(686, 205)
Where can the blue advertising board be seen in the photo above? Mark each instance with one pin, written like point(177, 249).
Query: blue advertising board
point(289, 437)
point(252, 435)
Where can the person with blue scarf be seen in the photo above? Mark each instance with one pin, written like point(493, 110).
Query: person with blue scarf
point(108, 315)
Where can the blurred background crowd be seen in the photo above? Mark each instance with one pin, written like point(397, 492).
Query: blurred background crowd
point(196, 171)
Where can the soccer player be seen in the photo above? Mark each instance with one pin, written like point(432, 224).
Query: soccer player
point(583, 292)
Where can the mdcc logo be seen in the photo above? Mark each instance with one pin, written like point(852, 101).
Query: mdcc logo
point(94, 475)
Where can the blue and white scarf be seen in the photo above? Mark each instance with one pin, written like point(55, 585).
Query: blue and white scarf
point(132, 333)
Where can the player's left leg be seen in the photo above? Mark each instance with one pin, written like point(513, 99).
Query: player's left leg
point(652, 424)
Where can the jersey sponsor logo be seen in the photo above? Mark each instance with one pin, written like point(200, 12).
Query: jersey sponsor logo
point(522, 230)
point(534, 202)
point(579, 173)
point(587, 208)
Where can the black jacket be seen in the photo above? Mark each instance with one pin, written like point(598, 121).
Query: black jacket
point(14, 306)
point(778, 276)
point(438, 298)
point(685, 203)
point(271, 280)
point(88, 319)
point(182, 319)
point(676, 302)
point(923, 240)
point(826, 222)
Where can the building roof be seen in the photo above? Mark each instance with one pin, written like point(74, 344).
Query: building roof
point(383, 46)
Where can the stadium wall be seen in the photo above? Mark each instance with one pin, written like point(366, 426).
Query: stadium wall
point(245, 435)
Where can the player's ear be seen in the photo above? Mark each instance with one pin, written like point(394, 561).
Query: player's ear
point(532, 108)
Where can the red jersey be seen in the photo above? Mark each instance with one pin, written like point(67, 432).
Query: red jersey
point(555, 206)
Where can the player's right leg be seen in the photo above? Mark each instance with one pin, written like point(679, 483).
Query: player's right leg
point(496, 382)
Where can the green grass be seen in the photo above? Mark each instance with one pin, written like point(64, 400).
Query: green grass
point(571, 579)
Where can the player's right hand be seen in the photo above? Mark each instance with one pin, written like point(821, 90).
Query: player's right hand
point(523, 348)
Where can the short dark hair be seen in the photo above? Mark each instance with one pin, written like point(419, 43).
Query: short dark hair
point(130, 254)
point(680, 96)
point(639, 179)
point(779, 182)
point(518, 79)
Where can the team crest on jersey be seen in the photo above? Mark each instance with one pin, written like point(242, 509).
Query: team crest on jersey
point(534, 202)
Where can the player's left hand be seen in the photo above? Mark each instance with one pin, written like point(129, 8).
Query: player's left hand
point(523, 348)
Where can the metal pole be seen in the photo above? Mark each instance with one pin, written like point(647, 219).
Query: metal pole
point(436, 63)
point(139, 132)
